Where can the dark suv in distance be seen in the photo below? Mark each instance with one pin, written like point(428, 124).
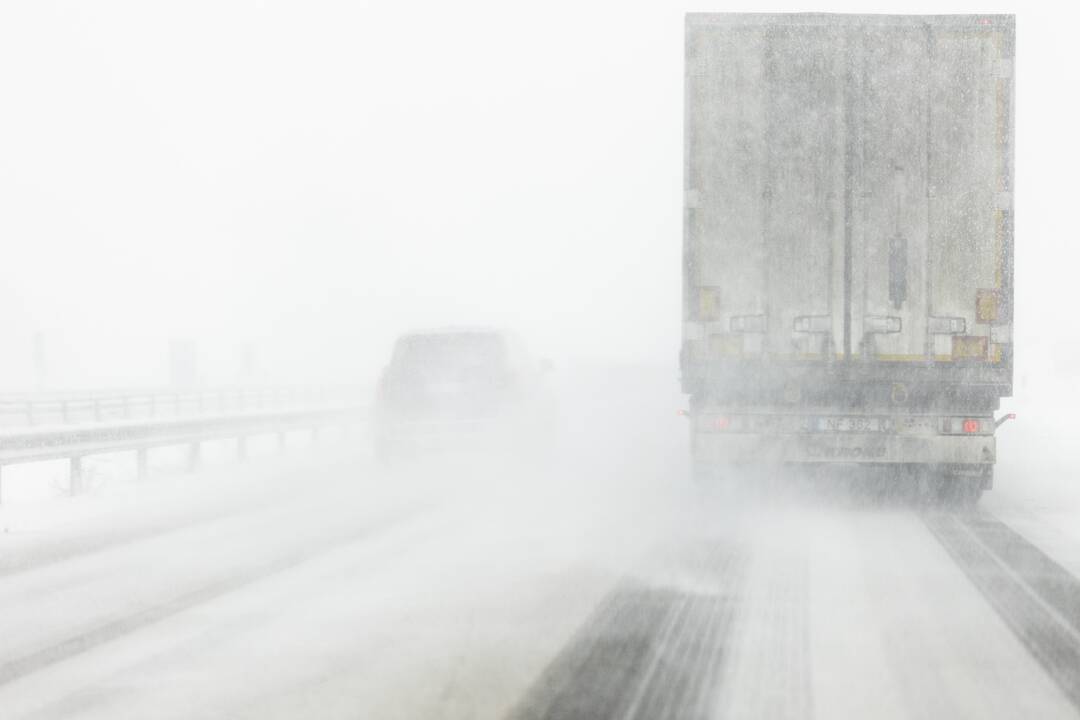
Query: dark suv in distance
point(460, 389)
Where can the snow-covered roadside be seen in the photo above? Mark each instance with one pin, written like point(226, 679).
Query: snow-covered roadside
point(40, 520)
point(452, 616)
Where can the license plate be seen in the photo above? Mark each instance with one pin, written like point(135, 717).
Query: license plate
point(841, 424)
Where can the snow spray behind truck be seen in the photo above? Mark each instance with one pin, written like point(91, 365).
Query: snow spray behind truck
point(848, 241)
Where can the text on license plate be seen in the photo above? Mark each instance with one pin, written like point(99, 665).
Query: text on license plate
point(853, 424)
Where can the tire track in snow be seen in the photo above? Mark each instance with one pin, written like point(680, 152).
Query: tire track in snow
point(1036, 597)
point(204, 509)
point(13, 669)
point(647, 651)
point(772, 676)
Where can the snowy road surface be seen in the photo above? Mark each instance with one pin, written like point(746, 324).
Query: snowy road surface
point(599, 585)
point(848, 614)
point(474, 599)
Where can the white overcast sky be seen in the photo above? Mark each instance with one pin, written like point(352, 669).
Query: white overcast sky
point(313, 177)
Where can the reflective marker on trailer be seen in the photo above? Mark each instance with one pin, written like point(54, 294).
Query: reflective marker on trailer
point(971, 426)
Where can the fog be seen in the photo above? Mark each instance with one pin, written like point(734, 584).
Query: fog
point(312, 180)
point(207, 198)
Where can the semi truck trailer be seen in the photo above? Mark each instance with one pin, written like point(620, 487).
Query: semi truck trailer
point(848, 243)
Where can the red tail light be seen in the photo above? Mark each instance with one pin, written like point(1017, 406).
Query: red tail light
point(721, 423)
point(971, 426)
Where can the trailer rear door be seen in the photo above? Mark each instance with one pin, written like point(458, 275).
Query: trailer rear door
point(848, 185)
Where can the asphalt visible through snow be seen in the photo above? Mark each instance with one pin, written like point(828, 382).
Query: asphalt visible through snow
point(472, 599)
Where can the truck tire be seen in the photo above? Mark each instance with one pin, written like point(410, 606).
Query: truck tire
point(960, 492)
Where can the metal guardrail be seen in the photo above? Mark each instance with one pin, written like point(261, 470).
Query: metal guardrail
point(102, 406)
point(73, 444)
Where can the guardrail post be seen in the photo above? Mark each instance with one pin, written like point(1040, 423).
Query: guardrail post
point(97, 410)
point(74, 445)
point(75, 486)
point(127, 406)
point(1, 484)
point(193, 456)
point(153, 405)
point(64, 411)
point(200, 402)
point(176, 404)
point(142, 464)
point(29, 412)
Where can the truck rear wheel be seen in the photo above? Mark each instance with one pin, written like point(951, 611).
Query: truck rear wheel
point(960, 490)
point(957, 493)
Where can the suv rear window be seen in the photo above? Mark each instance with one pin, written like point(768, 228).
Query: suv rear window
point(450, 355)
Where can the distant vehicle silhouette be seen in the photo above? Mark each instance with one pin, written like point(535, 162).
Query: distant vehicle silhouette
point(450, 389)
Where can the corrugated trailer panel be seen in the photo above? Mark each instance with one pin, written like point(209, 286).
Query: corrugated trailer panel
point(724, 233)
point(803, 197)
point(890, 111)
point(970, 180)
point(848, 194)
point(751, 270)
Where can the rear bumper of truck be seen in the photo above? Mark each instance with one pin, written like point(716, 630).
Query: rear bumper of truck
point(747, 449)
